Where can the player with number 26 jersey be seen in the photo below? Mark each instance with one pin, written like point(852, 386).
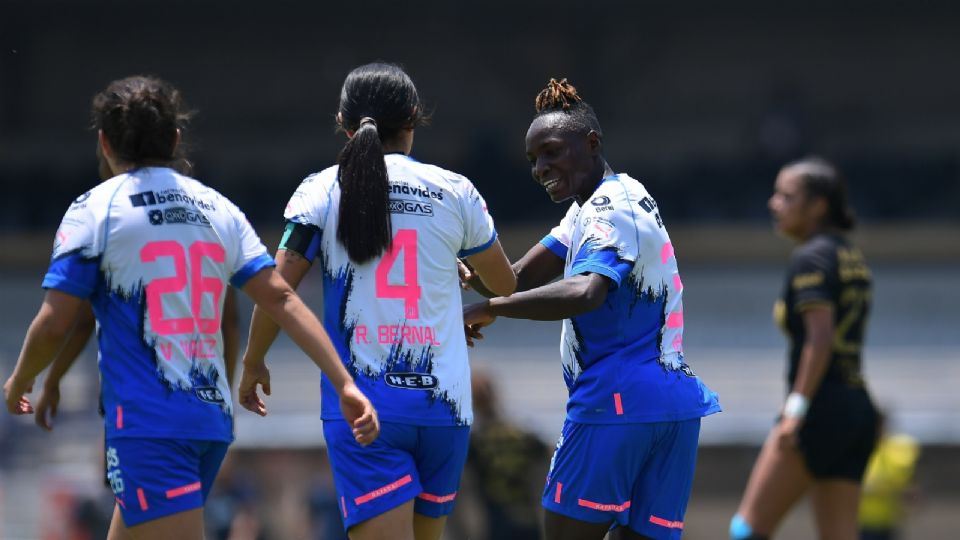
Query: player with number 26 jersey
point(153, 251)
point(391, 319)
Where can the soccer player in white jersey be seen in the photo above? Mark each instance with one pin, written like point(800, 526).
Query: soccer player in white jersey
point(151, 251)
point(626, 455)
point(386, 231)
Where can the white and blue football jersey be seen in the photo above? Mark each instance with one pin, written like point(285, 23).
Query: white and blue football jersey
point(623, 362)
point(397, 321)
point(154, 251)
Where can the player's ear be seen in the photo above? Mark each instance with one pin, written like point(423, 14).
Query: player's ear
point(348, 132)
point(176, 142)
point(105, 144)
point(594, 141)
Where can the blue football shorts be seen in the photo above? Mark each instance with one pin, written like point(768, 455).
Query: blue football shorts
point(405, 462)
point(155, 478)
point(633, 475)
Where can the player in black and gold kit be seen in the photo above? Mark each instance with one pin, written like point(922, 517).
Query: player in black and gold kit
point(828, 425)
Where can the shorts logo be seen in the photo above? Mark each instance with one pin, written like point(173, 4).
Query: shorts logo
point(413, 381)
point(209, 394)
point(114, 476)
point(404, 206)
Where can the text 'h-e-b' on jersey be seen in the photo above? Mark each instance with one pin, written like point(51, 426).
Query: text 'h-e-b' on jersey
point(154, 251)
point(623, 362)
point(397, 321)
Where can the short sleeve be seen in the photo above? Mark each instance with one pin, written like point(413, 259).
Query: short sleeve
point(608, 240)
point(74, 265)
point(558, 239)
point(309, 203)
point(478, 230)
point(252, 255)
point(809, 279)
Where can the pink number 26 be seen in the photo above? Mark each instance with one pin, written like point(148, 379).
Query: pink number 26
point(406, 241)
point(199, 284)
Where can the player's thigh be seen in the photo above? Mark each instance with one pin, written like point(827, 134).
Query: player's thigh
point(376, 479)
point(778, 480)
point(180, 526)
point(428, 528)
point(393, 524)
point(835, 506)
point(560, 527)
point(662, 486)
point(440, 455)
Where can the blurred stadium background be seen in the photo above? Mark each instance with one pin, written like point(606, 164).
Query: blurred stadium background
point(702, 101)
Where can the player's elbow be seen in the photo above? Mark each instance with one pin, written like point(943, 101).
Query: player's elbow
point(504, 285)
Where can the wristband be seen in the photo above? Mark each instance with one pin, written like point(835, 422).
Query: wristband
point(796, 406)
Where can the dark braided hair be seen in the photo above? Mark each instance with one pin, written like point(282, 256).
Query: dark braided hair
point(139, 117)
point(376, 102)
point(562, 97)
point(822, 179)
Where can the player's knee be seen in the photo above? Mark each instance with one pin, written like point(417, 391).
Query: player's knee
point(741, 530)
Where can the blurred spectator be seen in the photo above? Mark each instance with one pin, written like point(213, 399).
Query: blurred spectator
point(887, 486)
point(504, 475)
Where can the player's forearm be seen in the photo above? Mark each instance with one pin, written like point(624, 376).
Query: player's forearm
point(75, 344)
point(552, 302)
point(308, 333)
point(814, 360)
point(41, 345)
point(263, 332)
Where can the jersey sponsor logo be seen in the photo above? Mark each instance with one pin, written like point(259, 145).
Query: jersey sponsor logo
point(805, 281)
point(404, 188)
point(153, 198)
point(186, 216)
point(412, 381)
point(80, 202)
point(650, 205)
point(178, 215)
point(601, 203)
point(406, 206)
point(210, 394)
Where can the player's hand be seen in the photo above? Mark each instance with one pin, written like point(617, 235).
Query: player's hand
point(466, 274)
point(360, 414)
point(254, 372)
point(472, 333)
point(788, 431)
point(46, 409)
point(478, 314)
point(13, 394)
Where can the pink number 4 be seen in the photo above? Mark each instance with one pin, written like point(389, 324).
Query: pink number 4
point(406, 241)
point(199, 285)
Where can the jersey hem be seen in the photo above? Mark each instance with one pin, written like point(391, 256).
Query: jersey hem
point(648, 418)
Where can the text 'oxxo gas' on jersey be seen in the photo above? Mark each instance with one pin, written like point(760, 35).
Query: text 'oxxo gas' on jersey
point(623, 362)
point(153, 251)
point(397, 321)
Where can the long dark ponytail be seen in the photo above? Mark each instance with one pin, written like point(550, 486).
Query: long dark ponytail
point(377, 101)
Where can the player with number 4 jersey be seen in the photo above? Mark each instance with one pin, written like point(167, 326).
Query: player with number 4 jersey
point(386, 232)
point(152, 252)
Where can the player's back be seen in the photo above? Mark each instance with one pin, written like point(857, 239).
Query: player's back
point(397, 320)
point(161, 248)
